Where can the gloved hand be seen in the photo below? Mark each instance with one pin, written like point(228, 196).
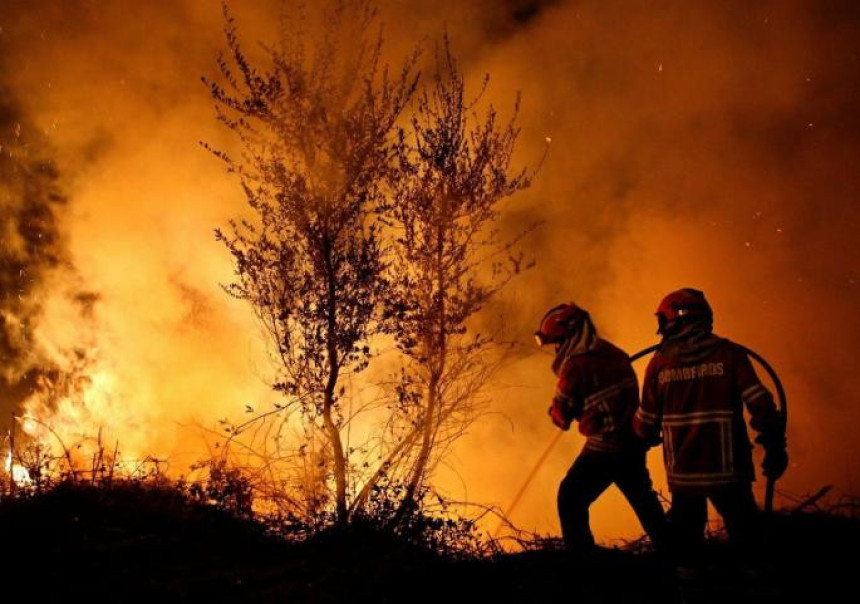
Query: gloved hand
point(558, 415)
point(775, 452)
point(775, 462)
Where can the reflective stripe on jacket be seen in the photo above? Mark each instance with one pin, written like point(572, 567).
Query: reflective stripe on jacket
point(697, 405)
point(599, 389)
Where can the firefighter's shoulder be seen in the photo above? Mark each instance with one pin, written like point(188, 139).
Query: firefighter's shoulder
point(606, 347)
point(731, 348)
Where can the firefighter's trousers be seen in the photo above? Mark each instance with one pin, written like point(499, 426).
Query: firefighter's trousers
point(734, 502)
point(591, 474)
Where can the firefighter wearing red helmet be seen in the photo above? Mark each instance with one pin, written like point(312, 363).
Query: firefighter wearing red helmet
point(696, 387)
point(597, 387)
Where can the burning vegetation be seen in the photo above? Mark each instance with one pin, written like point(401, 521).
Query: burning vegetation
point(370, 245)
point(51, 391)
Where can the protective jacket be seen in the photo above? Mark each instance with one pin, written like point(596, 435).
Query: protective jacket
point(694, 395)
point(598, 388)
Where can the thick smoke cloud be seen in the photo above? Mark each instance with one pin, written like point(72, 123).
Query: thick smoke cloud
point(702, 145)
point(33, 251)
point(120, 101)
point(713, 145)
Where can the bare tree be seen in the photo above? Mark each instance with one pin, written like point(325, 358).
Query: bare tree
point(450, 260)
point(315, 128)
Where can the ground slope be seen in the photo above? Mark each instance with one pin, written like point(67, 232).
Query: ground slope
point(138, 543)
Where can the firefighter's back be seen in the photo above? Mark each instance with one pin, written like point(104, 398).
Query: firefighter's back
point(706, 442)
point(610, 394)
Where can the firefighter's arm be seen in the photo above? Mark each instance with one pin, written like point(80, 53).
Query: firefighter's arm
point(765, 418)
point(646, 421)
point(567, 402)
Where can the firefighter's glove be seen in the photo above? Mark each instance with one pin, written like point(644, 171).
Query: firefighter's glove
point(560, 414)
point(775, 463)
point(775, 454)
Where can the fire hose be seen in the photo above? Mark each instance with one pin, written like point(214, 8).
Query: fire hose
point(783, 411)
point(771, 482)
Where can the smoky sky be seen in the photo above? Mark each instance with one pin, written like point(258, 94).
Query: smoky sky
point(704, 144)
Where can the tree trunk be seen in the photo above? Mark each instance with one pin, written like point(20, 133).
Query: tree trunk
point(361, 499)
point(427, 431)
point(436, 352)
point(332, 431)
point(339, 459)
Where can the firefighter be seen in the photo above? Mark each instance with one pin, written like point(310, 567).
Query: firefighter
point(693, 398)
point(597, 387)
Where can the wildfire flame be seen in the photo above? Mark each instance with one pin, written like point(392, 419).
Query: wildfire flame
point(18, 473)
point(84, 420)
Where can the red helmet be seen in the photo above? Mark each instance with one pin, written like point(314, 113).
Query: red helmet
point(682, 305)
point(559, 322)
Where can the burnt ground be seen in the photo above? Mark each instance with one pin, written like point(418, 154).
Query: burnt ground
point(137, 543)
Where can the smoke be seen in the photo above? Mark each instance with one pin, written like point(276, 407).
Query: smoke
point(711, 145)
point(34, 256)
point(707, 146)
point(120, 102)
